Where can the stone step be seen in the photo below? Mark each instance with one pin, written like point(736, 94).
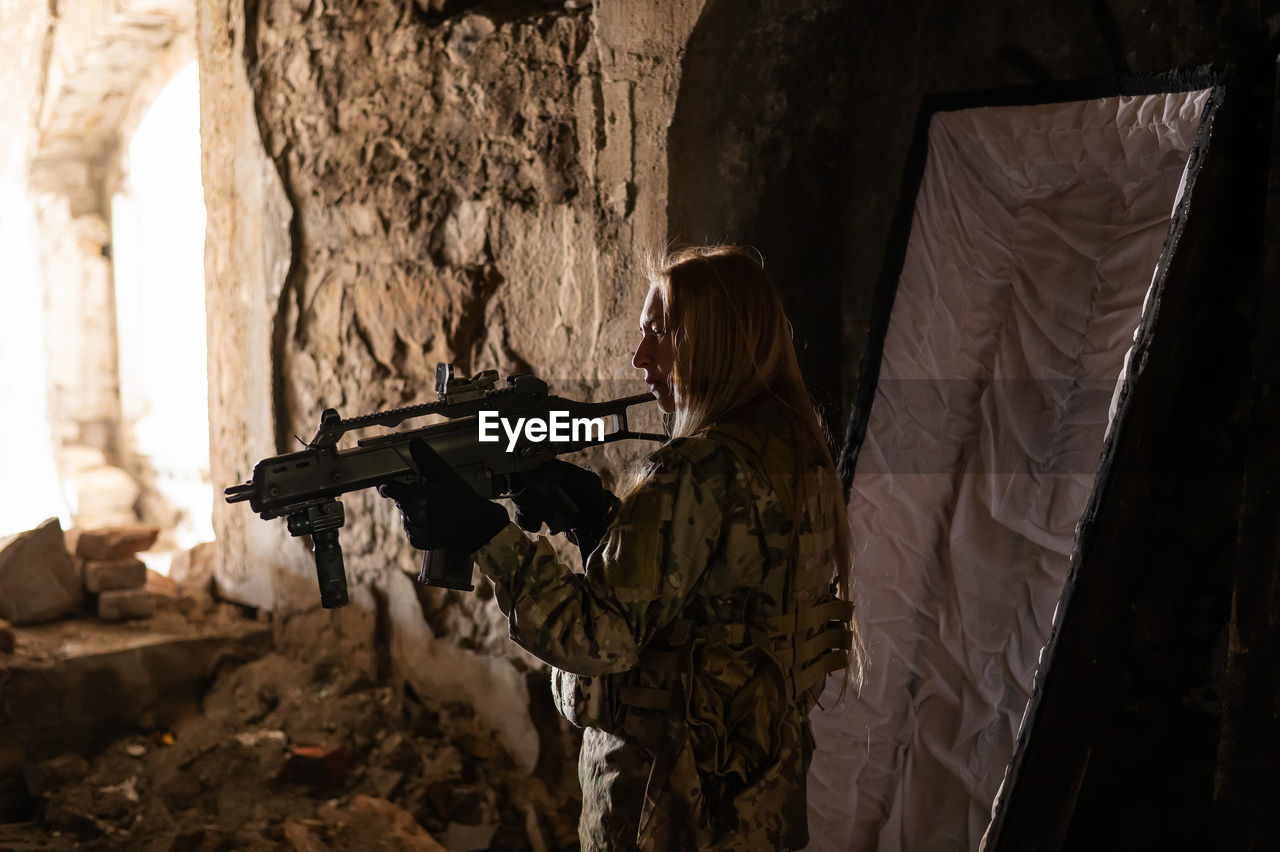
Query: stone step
point(80, 684)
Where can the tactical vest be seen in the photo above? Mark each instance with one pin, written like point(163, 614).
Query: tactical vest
point(805, 642)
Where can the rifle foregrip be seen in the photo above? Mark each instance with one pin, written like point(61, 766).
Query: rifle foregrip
point(447, 569)
point(331, 574)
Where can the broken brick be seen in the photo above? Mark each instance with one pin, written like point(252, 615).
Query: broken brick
point(123, 604)
point(116, 542)
point(111, 574)
point(168, 594)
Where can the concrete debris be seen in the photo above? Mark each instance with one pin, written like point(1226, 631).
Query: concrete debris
point(74, 686)
point(38, 578)
point(105, 575)
point(363, 766)
point(124, 604)
point(116, 542)
point(159, 584)
point(193, 571)
point(167, 593)
point(74, 809)
point(384, 781)
point(55, 773)
point(366, 816)
point(252, 739)
point(127, 789)
point(298, 836)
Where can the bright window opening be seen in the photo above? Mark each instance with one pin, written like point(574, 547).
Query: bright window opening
point(158, 242)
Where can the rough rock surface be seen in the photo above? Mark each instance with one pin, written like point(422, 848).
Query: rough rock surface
point(477, 187)
point(38, 579)
point(434, 179)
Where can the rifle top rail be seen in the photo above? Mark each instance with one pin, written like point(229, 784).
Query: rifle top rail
point(478, 395)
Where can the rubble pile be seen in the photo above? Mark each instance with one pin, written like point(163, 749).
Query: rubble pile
point(206, 725)
point(300, 751)
point(46, 574)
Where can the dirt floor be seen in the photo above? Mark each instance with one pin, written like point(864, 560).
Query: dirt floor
point(301, 749)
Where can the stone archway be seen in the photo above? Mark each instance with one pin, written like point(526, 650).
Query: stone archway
point(101, 66)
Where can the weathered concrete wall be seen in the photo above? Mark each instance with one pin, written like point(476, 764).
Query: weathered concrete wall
point(246, 259)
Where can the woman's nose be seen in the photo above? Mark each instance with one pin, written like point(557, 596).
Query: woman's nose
point(641, 358)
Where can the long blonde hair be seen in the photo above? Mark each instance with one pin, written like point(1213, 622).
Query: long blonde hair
point(734, 362)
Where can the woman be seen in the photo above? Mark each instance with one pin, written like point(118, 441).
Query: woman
point(695, 644)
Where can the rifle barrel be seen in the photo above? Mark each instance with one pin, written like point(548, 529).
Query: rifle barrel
point(240, 493)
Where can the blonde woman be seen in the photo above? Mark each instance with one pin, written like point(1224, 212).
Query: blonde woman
point(714, 598)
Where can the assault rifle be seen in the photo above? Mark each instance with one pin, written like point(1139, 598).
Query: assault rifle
point(304, 486)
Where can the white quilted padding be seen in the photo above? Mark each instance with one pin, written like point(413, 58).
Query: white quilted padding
point(1033, 244)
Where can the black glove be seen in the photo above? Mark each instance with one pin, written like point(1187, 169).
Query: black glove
point(443, 512)
point(566, 498)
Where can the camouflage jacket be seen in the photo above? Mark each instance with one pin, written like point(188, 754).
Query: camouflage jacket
point(678, 649)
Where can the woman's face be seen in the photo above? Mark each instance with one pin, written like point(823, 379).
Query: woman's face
point(655, 355)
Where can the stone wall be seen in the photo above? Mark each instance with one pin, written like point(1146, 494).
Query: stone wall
point(474, 188)
point(388, 187)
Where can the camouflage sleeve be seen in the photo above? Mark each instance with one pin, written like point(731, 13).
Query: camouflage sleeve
point(636, 581)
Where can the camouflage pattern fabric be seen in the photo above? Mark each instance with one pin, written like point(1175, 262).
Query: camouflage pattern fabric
point(702, 549)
